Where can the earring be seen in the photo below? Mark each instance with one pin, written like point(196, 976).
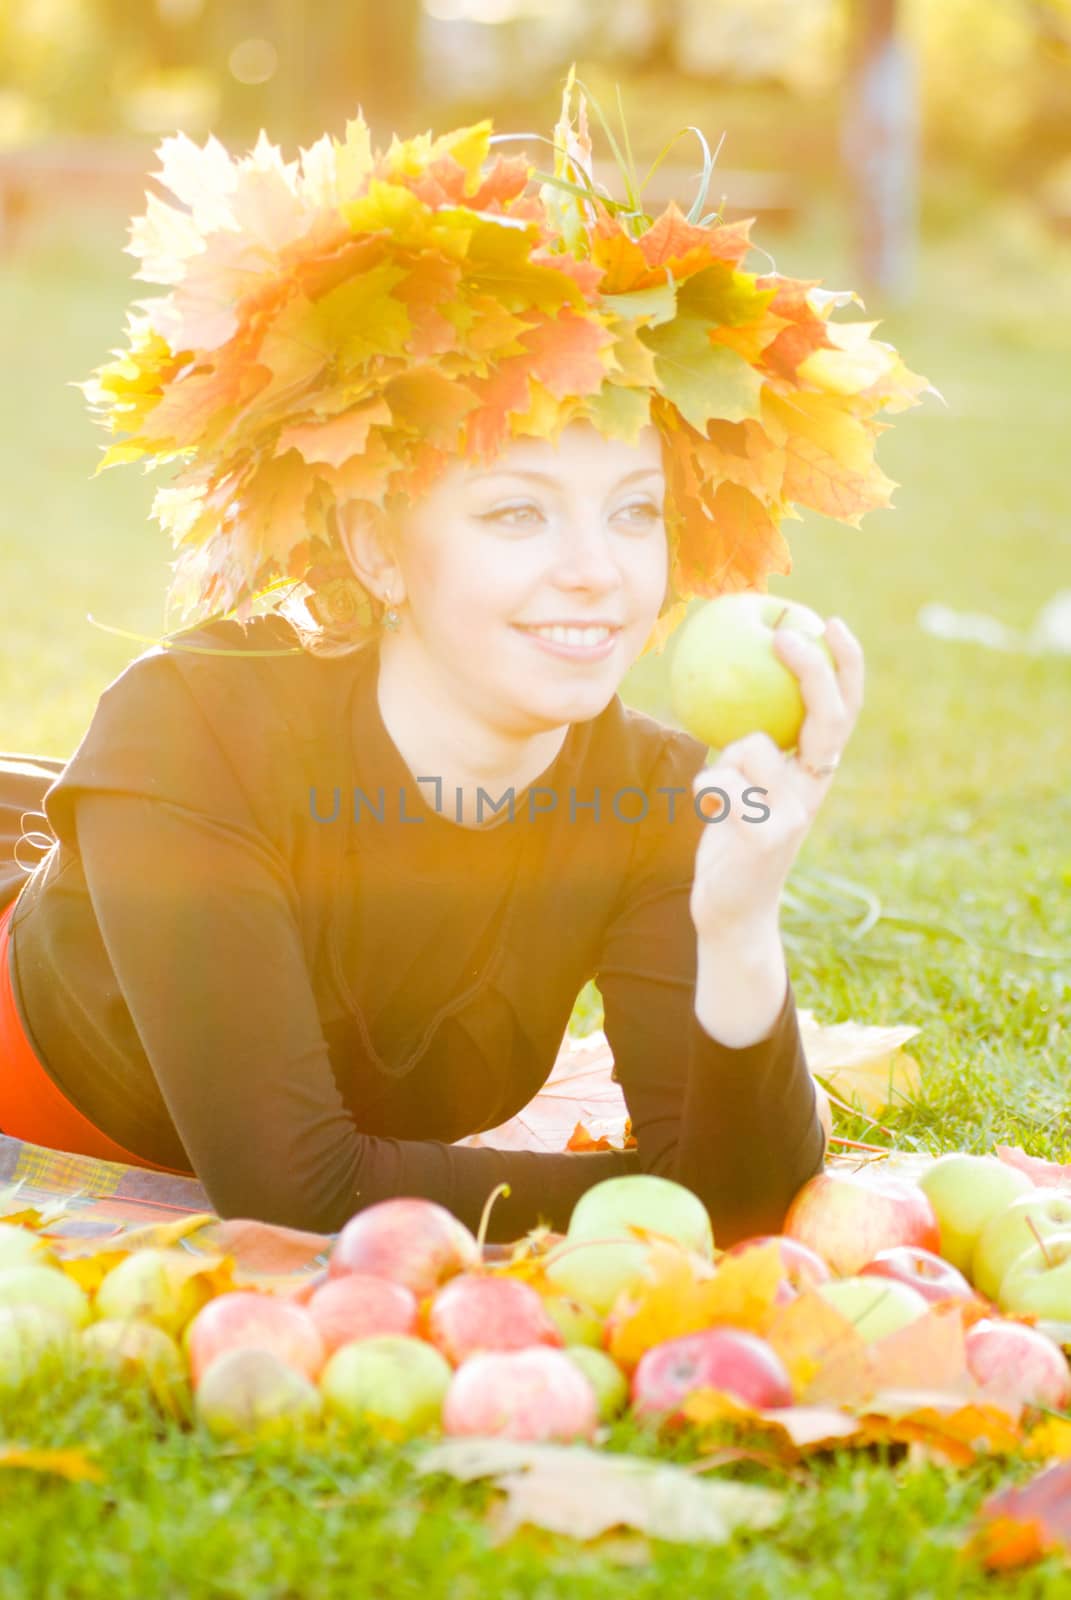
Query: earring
point(391, 619)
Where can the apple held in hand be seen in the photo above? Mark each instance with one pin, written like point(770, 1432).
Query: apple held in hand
point(966, 1191)
point(358, 1306)
point(1018, 1362)
point(847, 1218)
point(391, 1382)
point(242, 1319)
point(1008, 1233)
point(876, 1307)
point(737, 1363)
point(521, 1394)
point(475, 1311)
point(930, 1275)
point(1039, 1281)
point(412, 1241)
point(725, 677)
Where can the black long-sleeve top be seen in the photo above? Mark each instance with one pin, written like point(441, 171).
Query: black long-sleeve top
point(262, 952)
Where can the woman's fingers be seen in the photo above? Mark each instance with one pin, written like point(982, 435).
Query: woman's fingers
point(831, 698)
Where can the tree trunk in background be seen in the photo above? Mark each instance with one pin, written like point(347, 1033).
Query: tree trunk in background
point(880, 151)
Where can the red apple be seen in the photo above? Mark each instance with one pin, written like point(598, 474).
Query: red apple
point(804, 1267)
point(412, 1241)
point(521, 1394)
point(848, 1217)
point(933, 1276)
point(478, 1312)
point(242, 1319)
point(359, 1306)
point(1019, 1362)
point(739, 1364)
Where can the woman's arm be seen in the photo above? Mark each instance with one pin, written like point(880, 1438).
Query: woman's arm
point(737, 1122)
point(198, 919)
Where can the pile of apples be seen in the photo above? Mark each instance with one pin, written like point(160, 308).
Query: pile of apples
point(410, 1331)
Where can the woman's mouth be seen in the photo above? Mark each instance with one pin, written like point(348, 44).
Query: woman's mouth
point(589, 643)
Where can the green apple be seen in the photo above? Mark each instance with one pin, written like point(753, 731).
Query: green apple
point(251, 1393)
point(577, 1323)
point(20, 1247)
point(153, 1284)
point(45, 1286)
point(394, 1382)
point(726, 679)
point(965, 1191)
point(605, 1376)
point(30, 1335)
point(134, 1348)
point(875, 1306)
point(601, 1255)
point(1015, 1229)
point(1039, 1281)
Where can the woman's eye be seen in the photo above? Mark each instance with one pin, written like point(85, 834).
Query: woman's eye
point(502, 512)
point(518, 518)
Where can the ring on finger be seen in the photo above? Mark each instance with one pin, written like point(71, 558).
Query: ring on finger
point(825, 769)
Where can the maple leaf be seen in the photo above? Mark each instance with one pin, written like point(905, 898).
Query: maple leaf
point(824, 1356)
point(863, 1062)
point(703, 380)
point(583, 1493)
point(1020, 1524)
point(743, 546)
point(945, 1428)
point(794, 1430)
point(74, 1465)
point(680, 1294)
point(336, 441)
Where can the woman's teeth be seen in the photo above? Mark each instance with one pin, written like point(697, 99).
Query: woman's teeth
point(574, 636)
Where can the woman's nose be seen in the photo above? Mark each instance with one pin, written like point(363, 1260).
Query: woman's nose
point(588, 560)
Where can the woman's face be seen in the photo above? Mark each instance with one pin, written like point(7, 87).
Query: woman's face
point(548, 536)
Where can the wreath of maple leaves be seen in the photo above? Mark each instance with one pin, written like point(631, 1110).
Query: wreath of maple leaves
point(340, 328)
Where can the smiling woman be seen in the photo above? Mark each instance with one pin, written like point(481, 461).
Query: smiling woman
point(475, 448)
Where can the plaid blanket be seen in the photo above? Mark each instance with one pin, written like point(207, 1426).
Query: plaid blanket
point(84, 1206)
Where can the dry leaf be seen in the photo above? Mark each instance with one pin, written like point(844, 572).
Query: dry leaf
point(1050, 1440)
point(681, 1294)
point(826, 1359)
point(1022, 1523)
point(949, 1429)
point(574, 1490)
point(861, 1063)
point(795, 1430)
point(74, 1465)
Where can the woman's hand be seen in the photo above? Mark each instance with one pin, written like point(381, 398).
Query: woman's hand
point(744, 859)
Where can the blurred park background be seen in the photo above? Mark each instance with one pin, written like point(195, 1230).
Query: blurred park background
point(918, 151)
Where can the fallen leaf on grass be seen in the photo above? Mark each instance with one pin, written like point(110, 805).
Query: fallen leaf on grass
point(860, 1062)
point(584, 1493)
point(948, 1428)
point(1021, 1524)
point(826, 1360)
point(1049, 1440)
point(681, 1294)
point(74, 1465)
point(793, 1430)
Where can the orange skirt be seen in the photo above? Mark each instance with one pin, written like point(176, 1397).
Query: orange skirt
point(31, 1104)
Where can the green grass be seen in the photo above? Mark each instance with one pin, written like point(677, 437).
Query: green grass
point(953, 808)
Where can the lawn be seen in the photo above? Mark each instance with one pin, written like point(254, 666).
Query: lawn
point(952, 808)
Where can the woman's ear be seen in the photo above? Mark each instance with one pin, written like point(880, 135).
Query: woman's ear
point(369, 544)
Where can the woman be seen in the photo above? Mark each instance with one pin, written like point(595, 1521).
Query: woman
point(317, 909)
